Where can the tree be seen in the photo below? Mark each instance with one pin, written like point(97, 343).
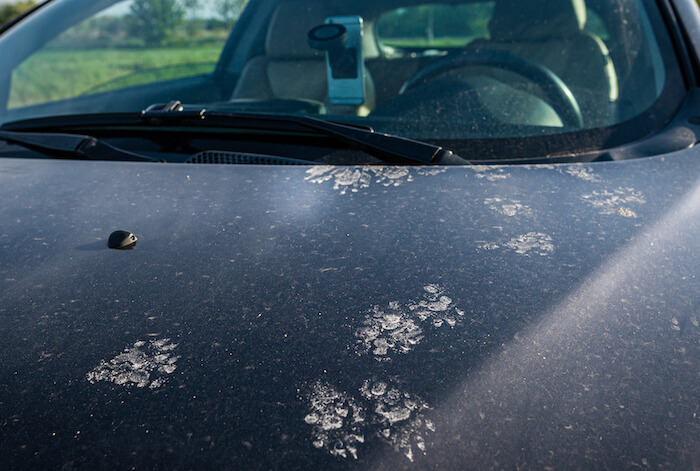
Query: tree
point(8, 12)
point(155, 21)
point(230, 10)
point(191, 5)
point(192, 8)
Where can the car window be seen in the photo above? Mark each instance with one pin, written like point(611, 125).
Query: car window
point(434, 25)
point(134, 42)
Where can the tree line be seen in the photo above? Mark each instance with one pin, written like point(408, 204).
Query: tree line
point(156, 21)
point(12, 10)
point(152, 22)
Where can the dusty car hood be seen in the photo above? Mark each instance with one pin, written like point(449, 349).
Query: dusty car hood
point(324, 317)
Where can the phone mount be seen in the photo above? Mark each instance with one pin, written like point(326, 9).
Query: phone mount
point(340, 37)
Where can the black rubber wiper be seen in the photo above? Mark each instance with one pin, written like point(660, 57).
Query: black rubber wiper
point(389, 148)
point(70, 146)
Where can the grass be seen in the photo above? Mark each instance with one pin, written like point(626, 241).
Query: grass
point(56, 74)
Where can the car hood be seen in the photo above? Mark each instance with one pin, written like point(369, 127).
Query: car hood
point(377, 317)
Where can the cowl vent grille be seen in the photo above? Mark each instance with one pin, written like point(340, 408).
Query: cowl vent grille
point(237, 158)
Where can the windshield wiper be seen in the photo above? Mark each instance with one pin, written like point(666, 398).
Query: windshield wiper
point(389, 148)
point(386, 147)
point(70, 146)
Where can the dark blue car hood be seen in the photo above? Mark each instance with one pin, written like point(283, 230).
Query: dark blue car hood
point(340, 317)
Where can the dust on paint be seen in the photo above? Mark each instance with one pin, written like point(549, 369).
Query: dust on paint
point(391, 329)
point(399, 416)
point(531, 243)
point(616, 202)
point(507, 207)
point(336, 420)
point(491, 173)
point(399, 327)
point(583, 173)
point(341, 422)
point(354, 179)
point(143, 364)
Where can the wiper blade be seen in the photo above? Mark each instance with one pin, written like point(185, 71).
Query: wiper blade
point(389, 148)
point(70, 146)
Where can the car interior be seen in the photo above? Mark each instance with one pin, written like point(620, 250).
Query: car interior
point(553, 35)
point(533, 67)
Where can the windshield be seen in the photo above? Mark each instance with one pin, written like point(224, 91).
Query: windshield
point(519, 78)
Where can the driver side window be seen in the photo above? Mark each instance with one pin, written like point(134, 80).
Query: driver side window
point(133, 42)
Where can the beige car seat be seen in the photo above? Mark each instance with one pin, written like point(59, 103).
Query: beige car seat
point(290, 69)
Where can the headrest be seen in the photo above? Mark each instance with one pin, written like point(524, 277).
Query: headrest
point(527, 20)
point(291, 21)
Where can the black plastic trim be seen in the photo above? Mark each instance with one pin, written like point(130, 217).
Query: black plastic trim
point(670, 17)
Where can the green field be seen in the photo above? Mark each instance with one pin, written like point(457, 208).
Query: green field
point(55, 74)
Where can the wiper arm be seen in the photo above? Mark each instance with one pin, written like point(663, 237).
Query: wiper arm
point(389, 148)
point(71, 146)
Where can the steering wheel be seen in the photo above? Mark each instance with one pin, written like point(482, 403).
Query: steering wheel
point(557, 94)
